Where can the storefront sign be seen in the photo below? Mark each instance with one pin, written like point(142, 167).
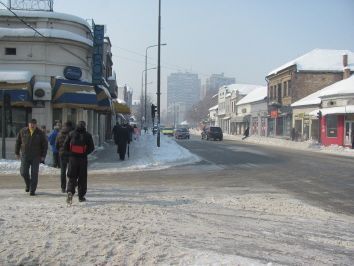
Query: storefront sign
point(72, 73)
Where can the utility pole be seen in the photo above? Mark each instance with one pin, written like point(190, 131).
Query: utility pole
point(158, 77)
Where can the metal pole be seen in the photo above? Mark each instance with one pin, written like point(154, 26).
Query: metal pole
point(3, 125)
point(145, 95)
point(146, 51)
point(141, 100)
point(158, 77)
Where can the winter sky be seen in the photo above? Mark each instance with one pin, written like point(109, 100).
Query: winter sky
point(243, 39)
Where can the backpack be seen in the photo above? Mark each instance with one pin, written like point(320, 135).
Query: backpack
point(77, 144)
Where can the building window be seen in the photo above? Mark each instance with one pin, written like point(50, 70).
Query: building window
point(332, 124)
point(289, 87)
point(285, 88)
point(10, 51)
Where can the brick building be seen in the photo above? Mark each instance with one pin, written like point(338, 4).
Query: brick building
point(297, 79)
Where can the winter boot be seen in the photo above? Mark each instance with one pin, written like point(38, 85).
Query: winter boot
point(69, 199)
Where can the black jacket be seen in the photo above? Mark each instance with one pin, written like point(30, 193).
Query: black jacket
point(87, 140)
point(59, 141)
point(34, 146)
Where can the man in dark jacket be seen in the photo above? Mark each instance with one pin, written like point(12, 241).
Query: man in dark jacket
point(33, 145)
point(63, 156)
point(122, 138)
point(78, 144)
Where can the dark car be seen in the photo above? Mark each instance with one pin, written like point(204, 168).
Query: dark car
point(212, 133)
point(182, 133)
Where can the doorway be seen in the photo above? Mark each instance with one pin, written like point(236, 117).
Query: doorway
point(348, 133)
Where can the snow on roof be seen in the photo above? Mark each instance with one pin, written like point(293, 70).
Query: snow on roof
point(15, 76)
point(213, 108)
point(345, 86)
point(53, 33)
point(46, 14)
point(320, 60)
point(42, 85)
point(257, 94)
point(241, 88)
point(119, 101)
point(348, 109)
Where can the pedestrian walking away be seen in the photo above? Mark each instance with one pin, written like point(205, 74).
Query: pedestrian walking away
point(63, 155)
point(122, 137)
point(52, 138)
point(78, 144)
point(246, 133)
point(31, 147)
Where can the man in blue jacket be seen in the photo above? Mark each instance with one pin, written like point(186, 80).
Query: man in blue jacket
point(52, 137)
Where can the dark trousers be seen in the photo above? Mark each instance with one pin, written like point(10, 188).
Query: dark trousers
point(31, 180)
point(56, 161)
point(121, 150)
point(64, 161)
point(77, 173)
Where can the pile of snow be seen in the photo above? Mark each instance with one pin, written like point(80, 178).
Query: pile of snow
point(144, 155)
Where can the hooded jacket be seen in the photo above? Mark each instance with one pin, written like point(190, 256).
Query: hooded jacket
point(87, 139)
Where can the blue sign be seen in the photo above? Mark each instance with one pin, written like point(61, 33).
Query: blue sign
point(73, 73)
point(97, 57)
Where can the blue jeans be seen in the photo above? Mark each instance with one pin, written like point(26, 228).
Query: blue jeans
point(30, 180)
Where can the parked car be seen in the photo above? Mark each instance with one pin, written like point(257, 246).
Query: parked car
point(182, 133)
point(169, 131)
point(212, 133)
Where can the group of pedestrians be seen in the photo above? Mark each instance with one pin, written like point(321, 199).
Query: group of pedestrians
point(70, 146)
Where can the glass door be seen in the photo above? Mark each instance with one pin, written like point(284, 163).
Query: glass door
point(348, 133)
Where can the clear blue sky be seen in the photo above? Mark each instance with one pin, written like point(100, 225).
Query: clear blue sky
point(244, 39)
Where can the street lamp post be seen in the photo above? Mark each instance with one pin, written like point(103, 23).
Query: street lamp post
point(145, 98)
point(158, 76)
point(142, 86)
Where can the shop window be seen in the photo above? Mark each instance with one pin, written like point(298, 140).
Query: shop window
point(10, 51)
point(332, 125)
point(19, 116)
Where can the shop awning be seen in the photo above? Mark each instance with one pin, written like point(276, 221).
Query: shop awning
point(348, 109)
point(19, 85)
point(120, 107)
point(74, 94)
point(103, 97)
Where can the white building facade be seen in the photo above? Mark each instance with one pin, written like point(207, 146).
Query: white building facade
point(47, 70)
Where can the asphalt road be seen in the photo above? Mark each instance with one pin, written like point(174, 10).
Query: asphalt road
point(324, 180)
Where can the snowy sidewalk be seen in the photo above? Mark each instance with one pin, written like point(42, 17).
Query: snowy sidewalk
point(144, 155)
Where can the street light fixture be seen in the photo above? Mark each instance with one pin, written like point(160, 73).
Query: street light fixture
point(142, 86)
point(146, 50)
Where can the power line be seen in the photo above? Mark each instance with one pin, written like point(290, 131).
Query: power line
point(24, 22)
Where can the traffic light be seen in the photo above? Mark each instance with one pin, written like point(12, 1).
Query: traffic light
point(319, 114)
point(153, 110)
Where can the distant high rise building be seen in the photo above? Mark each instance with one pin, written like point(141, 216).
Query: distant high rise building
point(184, 89)
point(215, 81)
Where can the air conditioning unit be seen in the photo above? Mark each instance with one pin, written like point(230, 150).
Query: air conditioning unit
point(42, 91)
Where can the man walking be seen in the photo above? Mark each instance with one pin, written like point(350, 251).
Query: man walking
point(32, 143)
point(52, 138)
point(63, 156)
point(122, 138)
point(78, 144)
